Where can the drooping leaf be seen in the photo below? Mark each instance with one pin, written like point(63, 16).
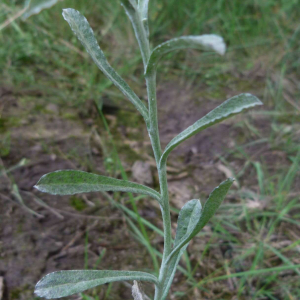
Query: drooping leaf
point(34, 7)
point(70, 182)
point(224, 111)
point(187, 220)
point(85, 34)
point(64, 283)
point(202, 42)
point(210, 207)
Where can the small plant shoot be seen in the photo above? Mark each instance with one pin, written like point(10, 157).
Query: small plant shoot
point(192, 217)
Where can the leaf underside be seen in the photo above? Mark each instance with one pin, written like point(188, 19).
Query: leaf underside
point(65, 283)
point(70, 182)
point(224, 111)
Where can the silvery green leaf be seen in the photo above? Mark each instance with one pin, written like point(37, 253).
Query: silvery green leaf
point(188, 217)
point(65, 283)
point(70, 182)
point(85, 34)
point(202, 42)
point(187, 220)
point(210, 207)
point(34, 7)
point(140, 30)
point(143, 9)
point(224, 111)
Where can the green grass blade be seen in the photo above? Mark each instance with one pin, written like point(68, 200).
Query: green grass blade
point(65, 283)
point(248, 273)
point(202, 42)
point(224, 111)
point(85, 34)
point(70, 182)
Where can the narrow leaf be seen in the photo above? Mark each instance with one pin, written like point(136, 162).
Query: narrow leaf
point(210, 207)
point(85, 34)
point(187, 220)
point(224, 111)
point(140, 26)
point(202, 42)
point(65, 283)
point(70, 182)
point(143, 9)
point(172, 266)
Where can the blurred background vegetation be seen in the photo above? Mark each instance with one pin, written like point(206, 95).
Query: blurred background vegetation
point(58, 111)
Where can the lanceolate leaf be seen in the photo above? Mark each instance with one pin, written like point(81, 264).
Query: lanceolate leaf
point(65, 283)
point(210, 207)
point(227, 109)
point(202, 42)
point(85, 34)
point(69, 182)
point(187, 220)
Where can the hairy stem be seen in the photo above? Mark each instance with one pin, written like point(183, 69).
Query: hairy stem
point(152, 127)
point(155, 141)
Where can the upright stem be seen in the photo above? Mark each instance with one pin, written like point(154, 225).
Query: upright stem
point(152, 127)
point(162, 174)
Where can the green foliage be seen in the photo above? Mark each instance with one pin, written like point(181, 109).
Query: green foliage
point(65, 283)
point(70, 182)
point(192, 218)
point(197, 220)
point(226, 110)
point(85, 34)
point(201, 42)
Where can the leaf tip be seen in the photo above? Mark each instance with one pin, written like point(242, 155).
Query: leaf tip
point(67, 11)
point(256, 101)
